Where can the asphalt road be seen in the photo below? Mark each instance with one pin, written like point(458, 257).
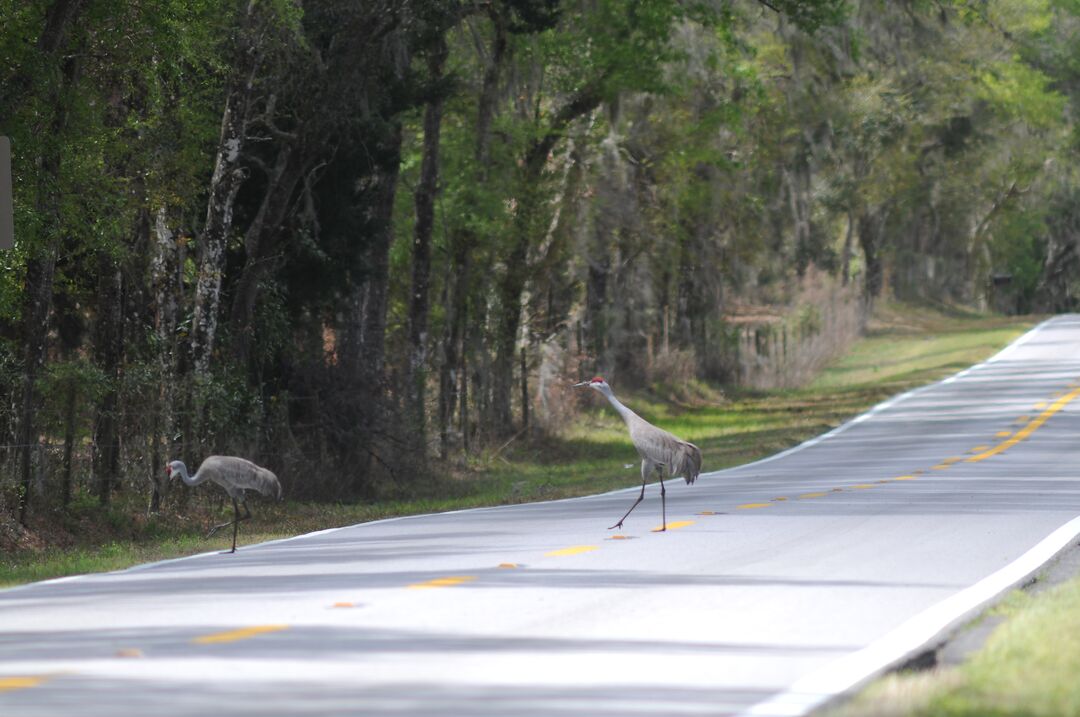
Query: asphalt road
point(778, 585)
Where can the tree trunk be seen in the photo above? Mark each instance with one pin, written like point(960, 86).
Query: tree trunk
point(260, 241)
point(363, 331)
point(38, 296)
point(453, 372)
point(870, 240)
point(489, 90)
point(164, 279)
point(416, 367)
point(845, 259)
point(109, 341)
point(224, 184)
point(41, 263)
point(449, 367)
point(512, 284)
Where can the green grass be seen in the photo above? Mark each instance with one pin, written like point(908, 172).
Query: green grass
point(905, 347)
point(1028, 667)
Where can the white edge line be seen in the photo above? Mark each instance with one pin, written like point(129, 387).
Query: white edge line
point(844, 674)
point(794, 449)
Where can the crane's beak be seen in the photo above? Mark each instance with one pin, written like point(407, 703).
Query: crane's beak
point(579, 385)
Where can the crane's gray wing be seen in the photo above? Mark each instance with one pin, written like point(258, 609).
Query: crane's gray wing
point(679, 457)
point(239, 473)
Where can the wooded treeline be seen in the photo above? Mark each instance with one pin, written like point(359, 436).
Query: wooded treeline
point(353, 239)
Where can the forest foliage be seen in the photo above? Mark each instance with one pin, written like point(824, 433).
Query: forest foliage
point(352, 241)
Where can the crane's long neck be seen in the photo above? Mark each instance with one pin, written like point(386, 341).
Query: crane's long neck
point(623, 411)
point(191, 480)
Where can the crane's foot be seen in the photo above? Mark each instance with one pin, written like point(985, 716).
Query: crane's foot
point(617, 525)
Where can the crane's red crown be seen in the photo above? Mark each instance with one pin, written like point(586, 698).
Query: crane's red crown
point(597, 379)
point(168, 470)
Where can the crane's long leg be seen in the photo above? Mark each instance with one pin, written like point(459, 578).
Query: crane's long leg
point(234, 522)
point(663, 502)
point(646, 471)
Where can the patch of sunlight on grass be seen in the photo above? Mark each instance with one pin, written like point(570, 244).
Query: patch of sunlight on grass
point(896, 353)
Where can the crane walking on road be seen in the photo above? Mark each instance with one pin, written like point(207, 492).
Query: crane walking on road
point(235, 475)
point(659, 450)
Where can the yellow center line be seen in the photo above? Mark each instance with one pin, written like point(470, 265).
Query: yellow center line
point(863, 486)
point(979, 448)
point(1003, 434)
point(707, 512)
point(1029, 428)
point(443, 582)
point(1041, 405)
point(909, 477)
point(241, 634)
point(940, 466)
point(573, 550)
point(8, 684)
point(1022, 419)
point(673, 526)
point(813, 495)
point(750, 506)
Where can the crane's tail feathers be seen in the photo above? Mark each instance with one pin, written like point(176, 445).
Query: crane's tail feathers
point(689, 462)
point(267, 483)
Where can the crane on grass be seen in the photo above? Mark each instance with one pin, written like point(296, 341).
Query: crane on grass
point(659, 450)
point(235, 475)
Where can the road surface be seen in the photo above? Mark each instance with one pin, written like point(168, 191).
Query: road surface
point(778, 585)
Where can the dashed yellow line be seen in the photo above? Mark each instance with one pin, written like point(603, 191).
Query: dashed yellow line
point(673, 526)
point(7, 684)
point(907, 477)
point(443, 582)
point(805, 496)
point(241, 634)
point(864, 486)
point(1030, 428)
point(1003, 434)
point(751, 506)
point(573, 550)
point(979, 449)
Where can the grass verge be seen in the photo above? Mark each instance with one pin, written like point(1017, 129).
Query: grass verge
point(1027, 668)
point(904, 347)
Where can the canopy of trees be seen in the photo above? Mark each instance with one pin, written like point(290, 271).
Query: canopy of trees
point(350, 239)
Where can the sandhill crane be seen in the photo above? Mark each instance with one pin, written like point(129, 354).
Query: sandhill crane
point(235, 475)
point(658, 450)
